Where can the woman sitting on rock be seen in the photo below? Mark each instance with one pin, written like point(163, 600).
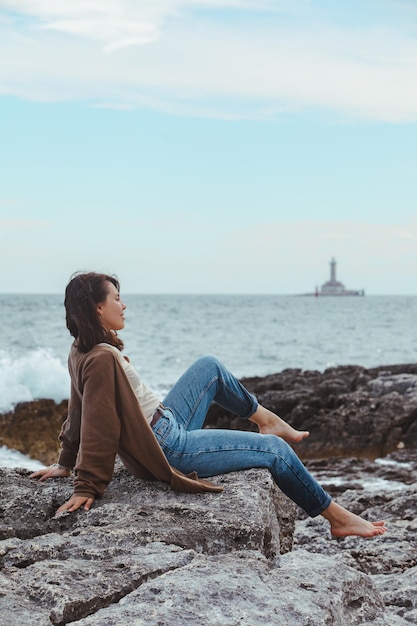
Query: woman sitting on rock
point(112, 412)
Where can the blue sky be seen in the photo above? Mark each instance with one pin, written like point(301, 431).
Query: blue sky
point(208, 146)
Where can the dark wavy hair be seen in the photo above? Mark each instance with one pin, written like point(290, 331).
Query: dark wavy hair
point(82, 295)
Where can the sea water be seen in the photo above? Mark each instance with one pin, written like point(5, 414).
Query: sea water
point(254, 335)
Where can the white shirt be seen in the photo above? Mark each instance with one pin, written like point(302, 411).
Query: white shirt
point(147, 400)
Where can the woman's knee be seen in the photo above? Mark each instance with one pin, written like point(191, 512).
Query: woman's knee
point(279, 447)
point(208, 362)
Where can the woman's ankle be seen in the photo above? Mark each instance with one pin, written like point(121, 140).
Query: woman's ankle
point(263, 418)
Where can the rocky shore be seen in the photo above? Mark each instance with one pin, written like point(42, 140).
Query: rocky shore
point(145, 555)
point(349, 410)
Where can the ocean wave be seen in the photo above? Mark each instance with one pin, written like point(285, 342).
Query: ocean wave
point(38, 374)
point(13, 458)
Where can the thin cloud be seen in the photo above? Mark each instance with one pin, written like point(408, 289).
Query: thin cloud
point(115, 21)
point(113, 105)
point(169, 56)
point(16, 226)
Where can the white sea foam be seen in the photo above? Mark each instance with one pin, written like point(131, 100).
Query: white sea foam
point(374, 484)
point(13, 458)
point(38, 374)
point(392, 463)
point(371, 484)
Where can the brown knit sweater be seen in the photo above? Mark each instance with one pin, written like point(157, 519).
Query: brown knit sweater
point(105, 419)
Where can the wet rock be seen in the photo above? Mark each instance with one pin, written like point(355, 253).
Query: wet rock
point(33, 427)
point(349, 410)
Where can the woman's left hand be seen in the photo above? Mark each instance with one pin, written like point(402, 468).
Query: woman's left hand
point(74, 503)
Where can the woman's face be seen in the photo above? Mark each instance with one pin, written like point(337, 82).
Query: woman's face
point(111, 310)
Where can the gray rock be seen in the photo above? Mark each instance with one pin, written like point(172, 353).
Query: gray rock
point(81, 584)
point(17, 609)
point(247, 590)
point(251, 512)
point(403, 384)
point(145, 555)
point(72, 565)
point(402, 598)
point(390, 561)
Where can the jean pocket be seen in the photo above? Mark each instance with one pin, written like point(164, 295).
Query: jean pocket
point(162, 429)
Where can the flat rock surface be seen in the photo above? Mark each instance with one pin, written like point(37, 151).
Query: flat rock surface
point(71, 565)
point(257, 518)
point(145, 555)
point(291, 591)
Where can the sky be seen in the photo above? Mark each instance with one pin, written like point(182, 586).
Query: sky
point(209, 146)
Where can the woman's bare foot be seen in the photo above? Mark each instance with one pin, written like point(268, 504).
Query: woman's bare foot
point(270, 424)
point(343, 523)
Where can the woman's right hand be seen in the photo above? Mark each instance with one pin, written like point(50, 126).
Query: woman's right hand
point(52, 471)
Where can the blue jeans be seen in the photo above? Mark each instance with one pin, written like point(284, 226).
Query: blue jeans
point(188, 447)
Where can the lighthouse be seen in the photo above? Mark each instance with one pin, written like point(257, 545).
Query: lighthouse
point(333, 270)
point(334, 287)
